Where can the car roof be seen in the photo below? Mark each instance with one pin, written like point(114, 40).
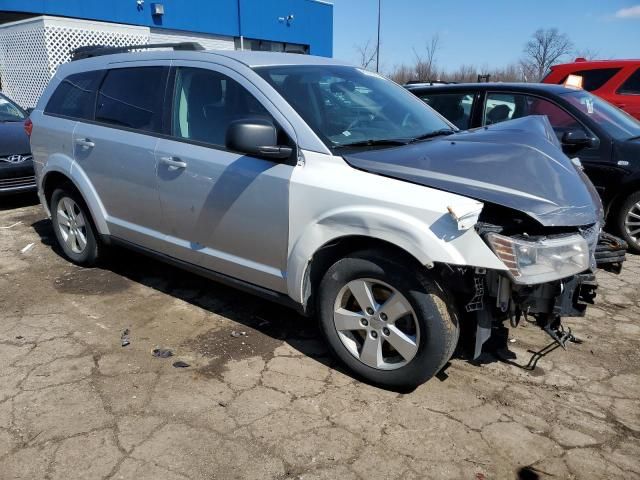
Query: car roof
point(494, 86)
point(588, 64)
point(246, 57)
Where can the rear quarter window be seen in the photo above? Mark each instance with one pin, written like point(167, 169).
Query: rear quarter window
point(75, 96)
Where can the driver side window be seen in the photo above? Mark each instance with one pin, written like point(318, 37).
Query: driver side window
point(206, 102)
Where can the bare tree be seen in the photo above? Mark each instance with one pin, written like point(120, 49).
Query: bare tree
point(544, 49)
point(366, 54)
point(425, 64)
point(587, 53)
point(401, 74)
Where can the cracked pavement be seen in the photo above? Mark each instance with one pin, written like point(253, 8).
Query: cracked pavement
point(270, 403)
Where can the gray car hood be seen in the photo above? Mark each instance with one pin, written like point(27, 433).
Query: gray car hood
point(517, 164)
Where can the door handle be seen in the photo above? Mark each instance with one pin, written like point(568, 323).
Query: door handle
point(173, 162)
point(85, 143)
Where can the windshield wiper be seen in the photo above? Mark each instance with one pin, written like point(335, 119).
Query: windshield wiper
point(373, 143)
point(435, 133)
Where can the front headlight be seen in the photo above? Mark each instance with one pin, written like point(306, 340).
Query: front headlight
point(531, 262)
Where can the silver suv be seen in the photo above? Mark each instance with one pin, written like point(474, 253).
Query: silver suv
point(322, 186)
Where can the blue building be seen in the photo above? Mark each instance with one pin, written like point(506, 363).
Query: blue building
point(36, 36)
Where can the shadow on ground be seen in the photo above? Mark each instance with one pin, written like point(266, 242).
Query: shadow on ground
point(264, 326)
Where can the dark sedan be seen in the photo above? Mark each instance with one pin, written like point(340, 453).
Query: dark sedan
point(16, 164)
point(603, 137)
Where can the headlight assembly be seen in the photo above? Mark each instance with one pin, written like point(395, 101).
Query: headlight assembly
point(531, 262)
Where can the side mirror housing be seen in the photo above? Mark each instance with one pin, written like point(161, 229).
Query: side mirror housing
point(576, 138)
point(256, 136)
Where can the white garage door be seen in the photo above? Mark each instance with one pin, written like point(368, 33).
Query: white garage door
point(209, 42)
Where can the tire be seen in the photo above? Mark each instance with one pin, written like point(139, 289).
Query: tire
point(426, 335)
point(629, 208)
point(69, 214)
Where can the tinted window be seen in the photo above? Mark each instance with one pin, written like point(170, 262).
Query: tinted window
point(205, 102)
point(594, 79)
point(132, 98)
point(75, 96)
point(632, 85)
point(347, 105)
point(455, 107)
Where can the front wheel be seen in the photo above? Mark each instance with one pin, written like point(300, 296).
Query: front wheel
point(628, 221)
point(385, 320)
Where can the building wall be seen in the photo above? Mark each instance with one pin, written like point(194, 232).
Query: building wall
point(261, 19)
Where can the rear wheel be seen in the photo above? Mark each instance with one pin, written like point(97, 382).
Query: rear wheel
point(386, 321)
point(73, 227)
point(628, 221)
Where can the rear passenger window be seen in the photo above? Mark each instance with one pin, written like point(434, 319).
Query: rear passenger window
point(455, 107)
point(632, 85)
point(594, 79)
point(132, 98)
point(75, 96)
point(205, 102)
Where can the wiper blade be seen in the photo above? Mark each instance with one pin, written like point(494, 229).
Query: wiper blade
point(435, 133)
point(373, 143)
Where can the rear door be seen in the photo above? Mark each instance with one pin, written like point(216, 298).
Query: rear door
point(223, 210)
point(117, 149)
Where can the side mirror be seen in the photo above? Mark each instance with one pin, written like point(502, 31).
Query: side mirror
point(256, 136)
point(576, 138)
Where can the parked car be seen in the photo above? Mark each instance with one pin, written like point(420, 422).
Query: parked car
point(16, 166)
point(617, 81)
point(606, 140)
point(325, 187)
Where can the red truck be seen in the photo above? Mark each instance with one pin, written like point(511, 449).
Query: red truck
point(617, 81)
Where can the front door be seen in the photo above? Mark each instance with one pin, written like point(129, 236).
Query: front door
point(222, 210)
point(117, 150)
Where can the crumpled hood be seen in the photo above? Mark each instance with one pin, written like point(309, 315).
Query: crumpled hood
point(516, 164)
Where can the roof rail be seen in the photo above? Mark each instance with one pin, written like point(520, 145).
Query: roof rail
point(99, 50)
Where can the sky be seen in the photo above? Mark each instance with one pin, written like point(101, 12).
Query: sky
point(485, 33)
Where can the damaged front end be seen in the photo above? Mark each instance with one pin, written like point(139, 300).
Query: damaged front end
point(549, 275)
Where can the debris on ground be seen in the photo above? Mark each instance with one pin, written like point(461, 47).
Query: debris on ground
point(11, 226)
point(27, 248)
point(238, 334)
point(162, 353)
point(181, 364)
point(124, 338)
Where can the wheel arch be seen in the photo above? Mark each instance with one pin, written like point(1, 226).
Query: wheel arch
point(54, 177)
point(334, 249)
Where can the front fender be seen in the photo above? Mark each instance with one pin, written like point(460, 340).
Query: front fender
point(439, 242)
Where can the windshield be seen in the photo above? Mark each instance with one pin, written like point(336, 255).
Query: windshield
point(9, 111)
point(619, 124)
point(349, 106)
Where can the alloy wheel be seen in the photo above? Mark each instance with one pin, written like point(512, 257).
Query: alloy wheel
point(376, 324)
point(72, 224)
point(632, 222)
